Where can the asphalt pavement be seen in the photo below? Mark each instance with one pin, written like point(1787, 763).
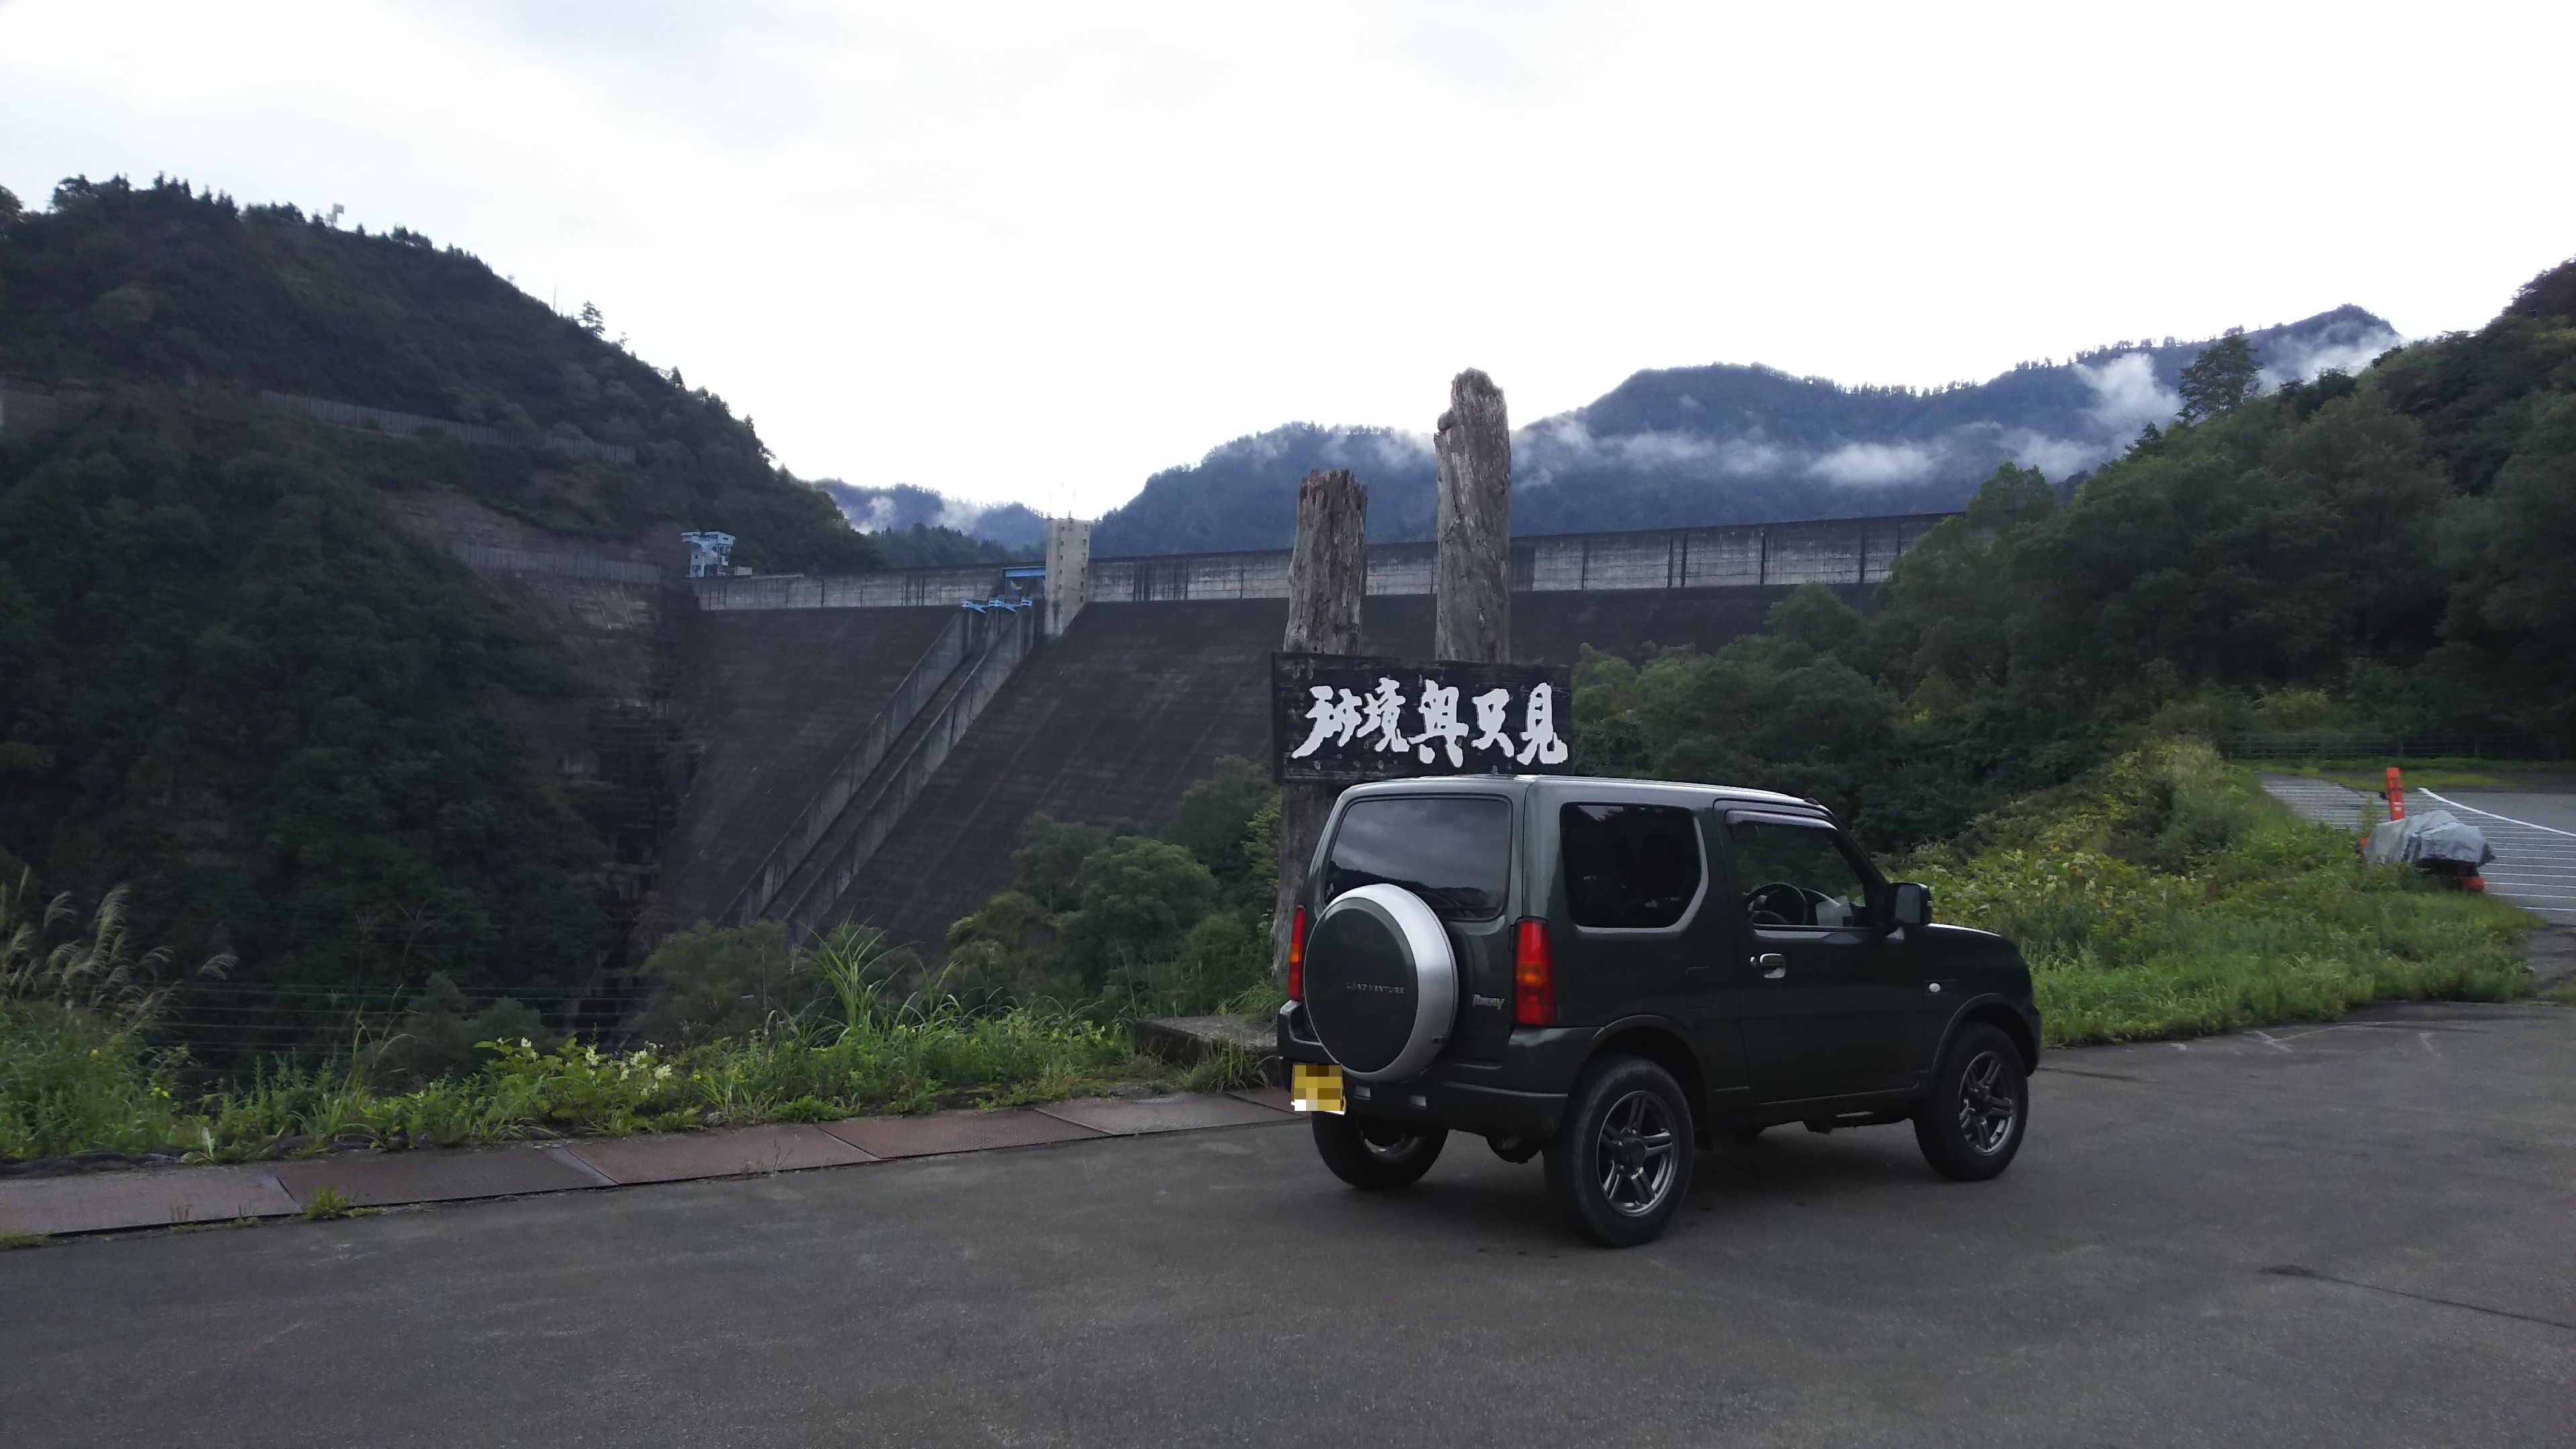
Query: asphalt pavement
point(2533, 834)
point(2361, 1234)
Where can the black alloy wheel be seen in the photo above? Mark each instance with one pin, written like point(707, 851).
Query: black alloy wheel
point(1375, 1155)
point(1633, 1154)
point(1971, 1125)
point(1620, 1163)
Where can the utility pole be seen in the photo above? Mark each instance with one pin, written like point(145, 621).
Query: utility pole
point(1327, 575)
point(1471, 579)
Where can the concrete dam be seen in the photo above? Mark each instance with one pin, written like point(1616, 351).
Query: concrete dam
point(869, 747)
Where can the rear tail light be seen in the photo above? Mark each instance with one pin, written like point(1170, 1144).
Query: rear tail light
point(1297, 955)
point(1533, 976)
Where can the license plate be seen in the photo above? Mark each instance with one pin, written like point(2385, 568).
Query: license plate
point(1315, 1089)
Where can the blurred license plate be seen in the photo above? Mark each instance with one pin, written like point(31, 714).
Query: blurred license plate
point(1315, 1089)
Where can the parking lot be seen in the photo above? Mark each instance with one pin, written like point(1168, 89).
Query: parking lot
point(2533, 834)
point(2359, 1234)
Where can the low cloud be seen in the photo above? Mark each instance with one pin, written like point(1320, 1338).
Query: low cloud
point(2127, 395)
point(1875, 465)
point(2342, 348)
point(1557, 446)
point(2052, 456)
point(882, 510)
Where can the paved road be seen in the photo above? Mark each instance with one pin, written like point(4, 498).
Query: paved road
point(2534, 836)
point(2533, 833)
point(2355, 1235)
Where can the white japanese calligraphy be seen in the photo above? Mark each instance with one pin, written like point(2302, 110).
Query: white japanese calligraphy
point(1332, 718)
point(1386, 718)
point(1539, 733)
point(1440, 722)
point(1493, 720)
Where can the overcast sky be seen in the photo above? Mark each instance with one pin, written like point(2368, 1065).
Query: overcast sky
point(1036, 251)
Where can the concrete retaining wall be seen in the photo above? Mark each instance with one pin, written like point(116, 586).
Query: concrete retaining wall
point(484, 559)
point(386, 420)
point(27, 409)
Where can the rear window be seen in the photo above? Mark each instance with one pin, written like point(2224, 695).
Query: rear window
point(1454, 851)
point(1629, 867)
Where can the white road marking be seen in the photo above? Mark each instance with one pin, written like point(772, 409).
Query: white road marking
point(2507, 819)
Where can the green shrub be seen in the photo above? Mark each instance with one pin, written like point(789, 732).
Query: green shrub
point(440, 1035)
point(718, 981)
point(2164, 895)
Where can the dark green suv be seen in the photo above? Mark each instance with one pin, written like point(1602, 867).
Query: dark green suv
point(1616, 972)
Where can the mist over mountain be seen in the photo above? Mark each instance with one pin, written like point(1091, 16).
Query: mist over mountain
point(1689, 446)
point(903, 508)
point(1727, 443)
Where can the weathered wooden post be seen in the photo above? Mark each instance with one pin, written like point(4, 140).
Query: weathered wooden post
point(1471, 579)
point(1327, 575)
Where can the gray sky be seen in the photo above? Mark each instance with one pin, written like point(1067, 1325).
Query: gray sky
point(1036, 251)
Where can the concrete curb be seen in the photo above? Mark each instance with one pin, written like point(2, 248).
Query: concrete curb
point(103, 1202)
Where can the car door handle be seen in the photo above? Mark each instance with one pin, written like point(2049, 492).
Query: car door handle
point(1773, 964)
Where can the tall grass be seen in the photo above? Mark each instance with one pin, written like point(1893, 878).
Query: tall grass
point(2165, 895)
point(76, 1073)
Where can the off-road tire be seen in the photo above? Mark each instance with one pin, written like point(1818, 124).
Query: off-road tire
point(1375, 1155)
point(1960, 1126)
point(1620, 1163)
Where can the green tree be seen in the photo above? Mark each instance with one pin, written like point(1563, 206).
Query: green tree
point(1047, 866)
point(712, 981)
point(1214, 822)
point(1139, 898)
point(2221, 378)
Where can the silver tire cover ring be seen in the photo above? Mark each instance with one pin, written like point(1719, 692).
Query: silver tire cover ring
point(1435, 973)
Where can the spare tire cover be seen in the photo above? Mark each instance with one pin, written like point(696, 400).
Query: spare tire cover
point(1381, 982)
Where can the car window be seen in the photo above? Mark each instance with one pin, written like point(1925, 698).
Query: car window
point(1629, 866)
point(1454, 851)
point(1795, 875)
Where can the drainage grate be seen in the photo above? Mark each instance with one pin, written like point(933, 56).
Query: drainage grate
point(719, 1154)
point(1163, 1114)
point(954, 1132)
point(434, 1177)
point(1275, 1098)
point(108, 1200)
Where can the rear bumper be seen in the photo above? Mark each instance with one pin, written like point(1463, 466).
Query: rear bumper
point(1463, 1096)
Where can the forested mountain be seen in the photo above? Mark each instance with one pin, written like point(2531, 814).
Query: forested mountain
point(2377, 554)
point(235, 679)
point(1003, 530)
point(1729, 444)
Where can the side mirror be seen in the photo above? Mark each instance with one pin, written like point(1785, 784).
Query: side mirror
point(1909, 904)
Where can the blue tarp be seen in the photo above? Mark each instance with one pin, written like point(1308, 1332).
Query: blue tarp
point(2435, 835)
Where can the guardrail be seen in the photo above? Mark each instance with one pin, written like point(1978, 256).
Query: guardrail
point(1760, 555)
point(2393, 747)
point(903, 780)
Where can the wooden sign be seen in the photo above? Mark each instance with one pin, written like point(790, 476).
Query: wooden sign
point(1338, 719)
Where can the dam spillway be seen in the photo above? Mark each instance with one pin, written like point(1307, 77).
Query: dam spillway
point(1160, 666)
